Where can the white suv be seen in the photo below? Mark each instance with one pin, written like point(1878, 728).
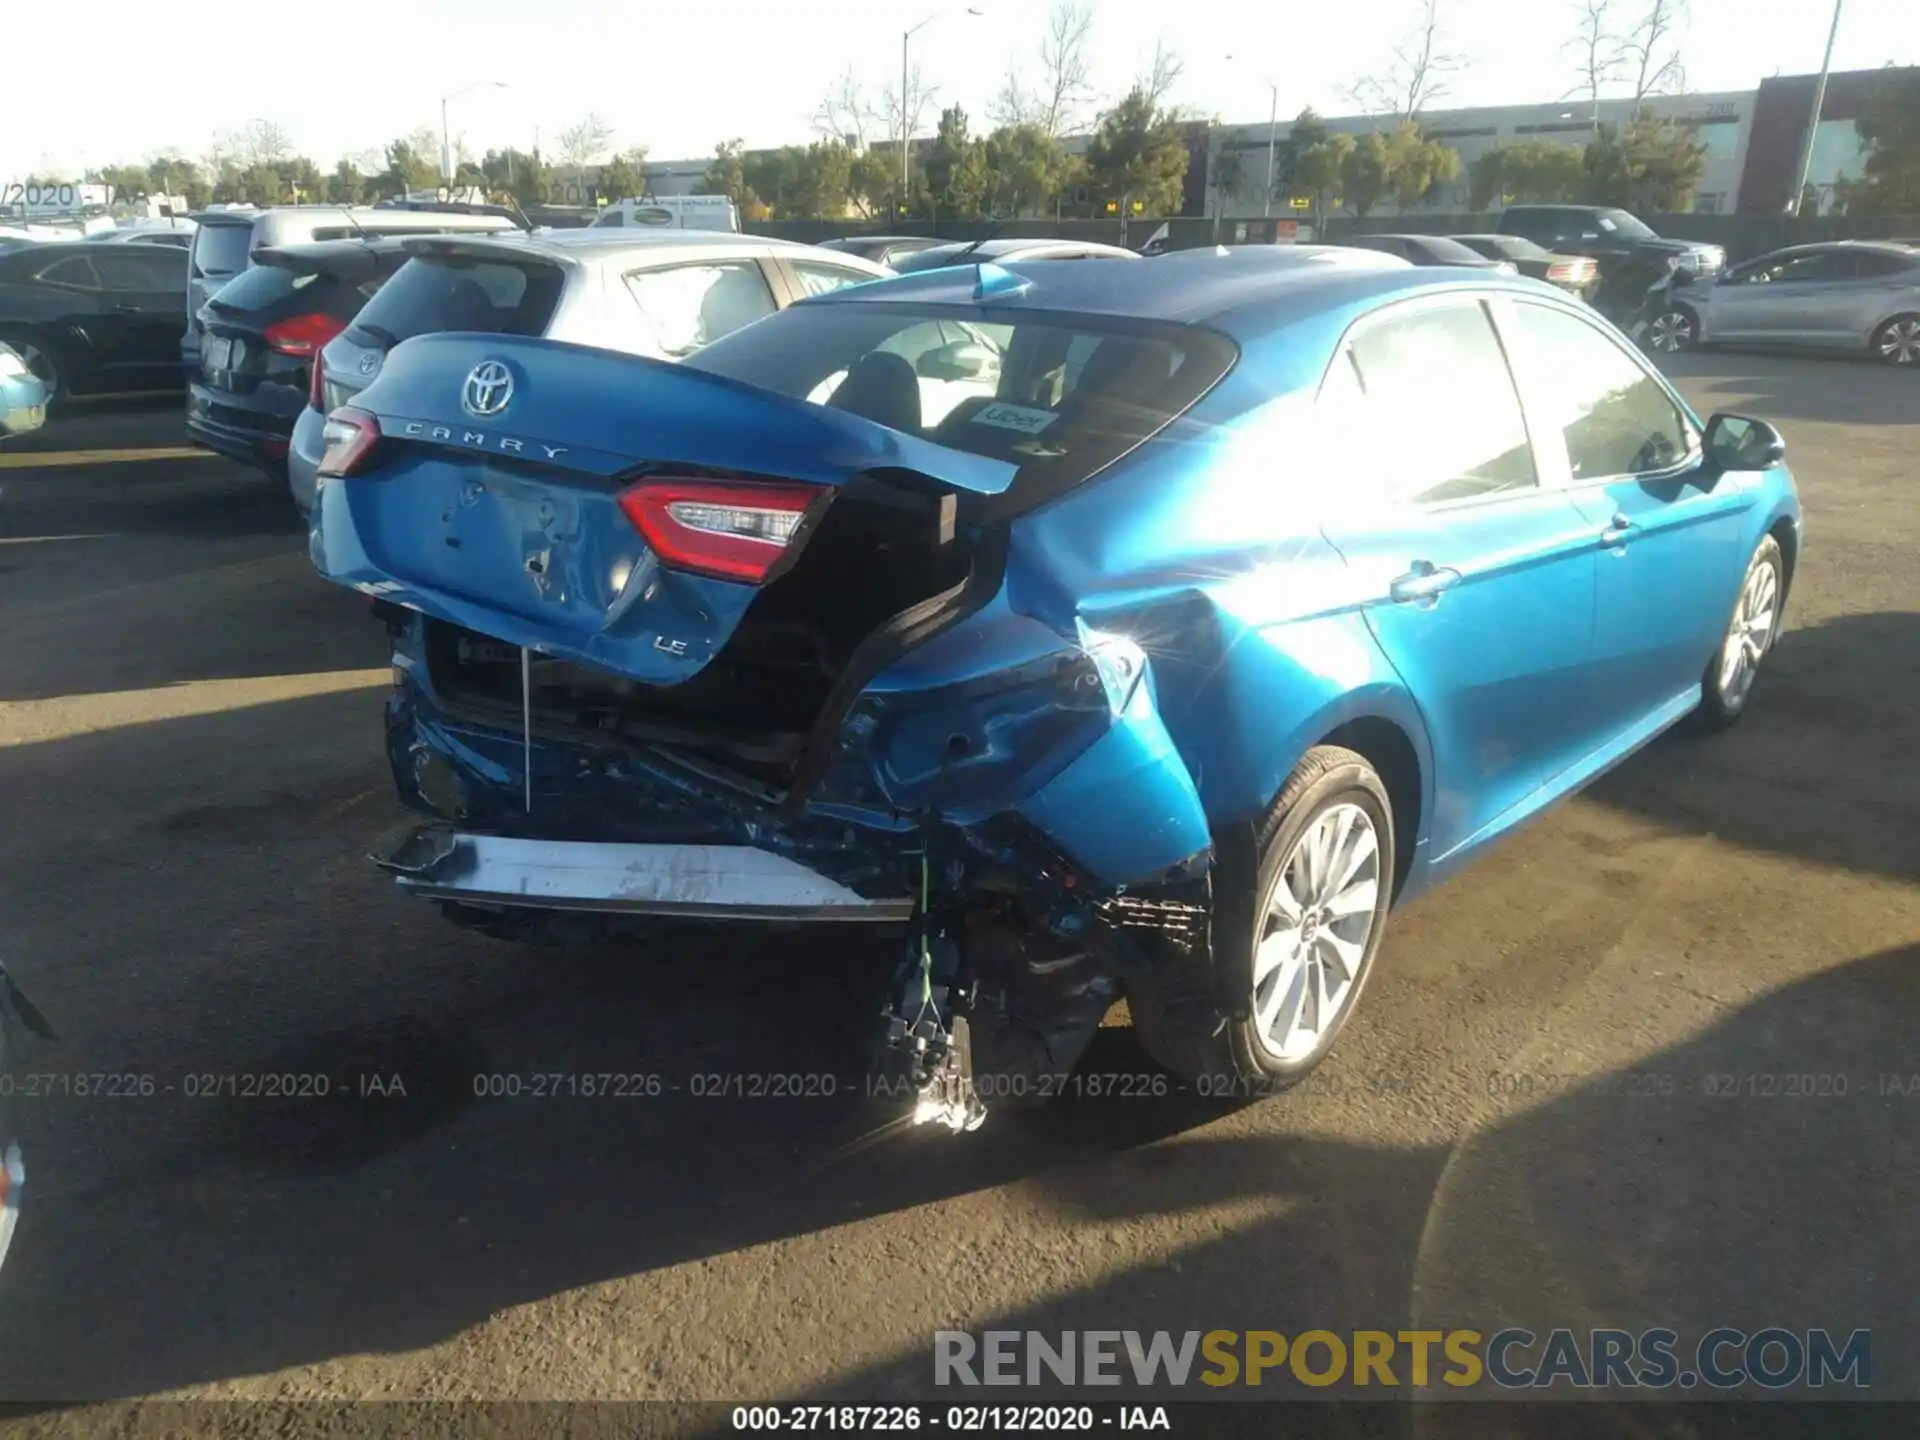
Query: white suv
point(660, 293)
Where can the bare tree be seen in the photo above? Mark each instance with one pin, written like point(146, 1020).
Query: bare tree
point(845, 112)
point(262, 142)
point(1160, 74)
point(585, 142)
point(920, 96)
point(1014, 103)
point(1065, 67)
point(1651, 50)
point(1418, 72)
point(1598, 52)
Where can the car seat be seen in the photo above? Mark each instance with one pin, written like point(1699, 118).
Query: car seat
point(881, 387)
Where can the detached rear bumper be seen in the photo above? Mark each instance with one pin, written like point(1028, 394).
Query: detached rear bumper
point(708, 882)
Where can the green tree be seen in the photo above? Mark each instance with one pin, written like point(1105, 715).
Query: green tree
point(1651, 164)
point(619, 180)
point(727, 175)
point(823, 180)
point(1889, 124)
point(344, 186)
point(1138, 154)
point(957, 174)
point(523, 175)
point(1026, 170)
point(1320, 161)
point(409, 167)
point(1366, 173)
point(171, 174)
point(1415, 164)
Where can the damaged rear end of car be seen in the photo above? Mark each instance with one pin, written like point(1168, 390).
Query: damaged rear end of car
point(716, 642)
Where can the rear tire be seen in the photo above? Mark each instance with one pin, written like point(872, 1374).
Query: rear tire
point(1897, 342)
point(1292, 966)
point(40, 360)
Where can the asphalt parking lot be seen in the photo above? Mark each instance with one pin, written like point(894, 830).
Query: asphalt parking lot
point(1554, 1108)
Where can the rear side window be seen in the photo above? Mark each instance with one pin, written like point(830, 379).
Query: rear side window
point(1616, 418)
point(1437, 381)
point(1059, 400)
point(221, 249)
point(690, 306)
point(145, 271)
point(75, 270)
point(435, 293)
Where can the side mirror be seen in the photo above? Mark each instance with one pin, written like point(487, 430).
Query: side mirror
point(962, 360)
point(1684, 275)
point(1739, 442)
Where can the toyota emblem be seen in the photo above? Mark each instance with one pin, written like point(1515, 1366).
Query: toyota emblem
point(488, 389)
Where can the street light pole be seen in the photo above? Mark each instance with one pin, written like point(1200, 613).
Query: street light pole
point(446, 142)
point(1813, 119)
point(1273, 133)
point(906, 173)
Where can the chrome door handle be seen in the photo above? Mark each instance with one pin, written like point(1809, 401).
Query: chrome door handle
point(1423, 582)
point(1617, 531)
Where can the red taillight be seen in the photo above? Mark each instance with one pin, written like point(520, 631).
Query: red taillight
point(317, 385)
point(349, 437)
point(731, 531)
point(303, 334)
point(1562, 271)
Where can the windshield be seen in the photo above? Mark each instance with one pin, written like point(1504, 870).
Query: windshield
point(1621, 223)
point(221, 249)
point(1059, 398)
point(433, 293)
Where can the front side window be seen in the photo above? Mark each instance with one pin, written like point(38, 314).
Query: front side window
point(688, 307)
point(1616, 418)
point(1439, 396)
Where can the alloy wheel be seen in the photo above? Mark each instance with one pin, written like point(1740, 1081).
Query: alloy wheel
point(39, 365)
point(1315, 932)
point(1750, 633)
point(1670, 332)
point(1899, 342)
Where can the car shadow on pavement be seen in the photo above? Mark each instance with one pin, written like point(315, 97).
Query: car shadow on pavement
point(188, 902)
point(1828, 734)
point(1756, 1174)
point(1832, 390)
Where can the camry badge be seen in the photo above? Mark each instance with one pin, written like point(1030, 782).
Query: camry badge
point(488, 388)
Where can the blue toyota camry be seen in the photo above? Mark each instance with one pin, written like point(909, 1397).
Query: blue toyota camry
point(1106, 628)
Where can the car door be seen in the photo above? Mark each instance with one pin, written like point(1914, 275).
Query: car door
point(74, 301)
point(1791, 301)
point(1607, 427)
point(146, 287)
point(1476, 580)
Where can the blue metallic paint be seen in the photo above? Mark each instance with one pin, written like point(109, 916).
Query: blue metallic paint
point(1266, 624)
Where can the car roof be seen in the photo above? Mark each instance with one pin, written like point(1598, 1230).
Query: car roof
point(1243, 291)
point(589, 244)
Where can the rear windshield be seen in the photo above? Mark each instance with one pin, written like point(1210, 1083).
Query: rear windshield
point(1061, 399)
point(221, 249)
point(927, 259)
point(436, 293)
point(260, 287)
point(1446, 249)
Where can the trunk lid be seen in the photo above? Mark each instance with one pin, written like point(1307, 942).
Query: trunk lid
point(492, 500)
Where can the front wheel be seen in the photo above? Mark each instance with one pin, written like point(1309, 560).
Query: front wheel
point(1754, 626)
point(1898, 341)
point(40, 361)
point(1295, 968)
point(1672, 331)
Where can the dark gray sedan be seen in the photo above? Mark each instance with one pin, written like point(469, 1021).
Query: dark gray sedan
point(1857, 296)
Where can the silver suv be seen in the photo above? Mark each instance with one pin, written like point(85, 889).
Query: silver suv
point(660, 293)
point(225, 240)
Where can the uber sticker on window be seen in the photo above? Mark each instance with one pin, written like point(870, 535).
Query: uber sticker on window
point(1015, 417)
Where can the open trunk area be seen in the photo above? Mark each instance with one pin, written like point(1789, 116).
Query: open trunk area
point(877, 553)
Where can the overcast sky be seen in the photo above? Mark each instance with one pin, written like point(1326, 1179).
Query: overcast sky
point(123, 79)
